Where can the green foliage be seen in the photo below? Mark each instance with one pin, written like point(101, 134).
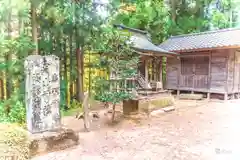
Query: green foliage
point(121, 60)
point(63, 92)
point(13, 110)
point(75, 104)
point(151, 16)
point(113, 96)
point(67, 25)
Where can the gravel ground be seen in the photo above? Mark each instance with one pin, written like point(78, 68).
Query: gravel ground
point(207, 131)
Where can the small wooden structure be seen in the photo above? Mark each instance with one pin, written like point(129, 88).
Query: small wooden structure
point(150, 66)
point(209, 62)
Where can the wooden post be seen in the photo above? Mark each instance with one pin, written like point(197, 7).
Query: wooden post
point(178, 78)
point(146, 72)
point(178, 93)
point(208, 96)
point(86, 111)
point(226, 83)
point(234, 70)
point(225, 96)
point(209, 76)
point(160, 71)
point(194, 75)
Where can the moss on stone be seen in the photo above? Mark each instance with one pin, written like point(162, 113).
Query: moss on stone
point(162, 102)
point(149, 105)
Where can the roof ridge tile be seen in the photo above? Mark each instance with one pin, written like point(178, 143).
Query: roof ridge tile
point(204, 33)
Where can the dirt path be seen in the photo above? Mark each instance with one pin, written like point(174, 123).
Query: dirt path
point(194, 132)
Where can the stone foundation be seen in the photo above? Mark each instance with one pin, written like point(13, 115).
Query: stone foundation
point(130, 106)
point(147, 105)
point(150, 105)
point(41, 143)
point(191, 96)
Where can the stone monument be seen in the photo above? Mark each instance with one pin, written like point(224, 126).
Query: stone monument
point(43, 106)
point(42, 93)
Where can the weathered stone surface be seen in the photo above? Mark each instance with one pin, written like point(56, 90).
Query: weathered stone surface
point(150, 105)
point(42, 93)
point(63, 138)
point(144, 105)
point(168, 109)
point(130, 106)
point(191, 96)
point(156, 113)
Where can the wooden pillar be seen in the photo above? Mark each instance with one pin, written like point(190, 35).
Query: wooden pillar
point(146, 72)
point(178, 93)
point(209, 76)
point(160, 70)
point(154, 69)
point(226, 83)
point(208, 95)
point(225, 96)
point(194, 75)
point(150, 67)
point(179, 76)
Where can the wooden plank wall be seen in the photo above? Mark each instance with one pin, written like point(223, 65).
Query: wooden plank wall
point(231, 71)
point(237, 71)
point(224, 73)
point(218, 73)
point(186, 73)
point(201, 72)
point(234, 63)
point(172, 70)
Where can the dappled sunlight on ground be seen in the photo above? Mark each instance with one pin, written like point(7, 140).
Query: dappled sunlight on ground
point(194, 131)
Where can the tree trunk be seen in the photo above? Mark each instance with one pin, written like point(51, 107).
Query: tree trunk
point(173, 10)
point(86, 112)
point(2, 85)
point(79, 57)
point(34, 27)
point(89, 74)
point(8, 59)
point(71, 67)
point(65, 68)
point(113, 114)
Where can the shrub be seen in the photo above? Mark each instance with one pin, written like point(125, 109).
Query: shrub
point(17, 113)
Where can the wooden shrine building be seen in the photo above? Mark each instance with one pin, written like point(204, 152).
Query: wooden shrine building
point(209, 62)
point(150, 66)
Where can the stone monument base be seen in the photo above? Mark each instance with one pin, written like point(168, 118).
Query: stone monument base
point(41, 143)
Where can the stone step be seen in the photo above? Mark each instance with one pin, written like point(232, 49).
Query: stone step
point(191, 96)
point(148, 92)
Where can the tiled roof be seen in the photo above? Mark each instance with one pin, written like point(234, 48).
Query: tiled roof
point(204, 40)
point(142, 43)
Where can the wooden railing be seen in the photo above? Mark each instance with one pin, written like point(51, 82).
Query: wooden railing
point(142, 82)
